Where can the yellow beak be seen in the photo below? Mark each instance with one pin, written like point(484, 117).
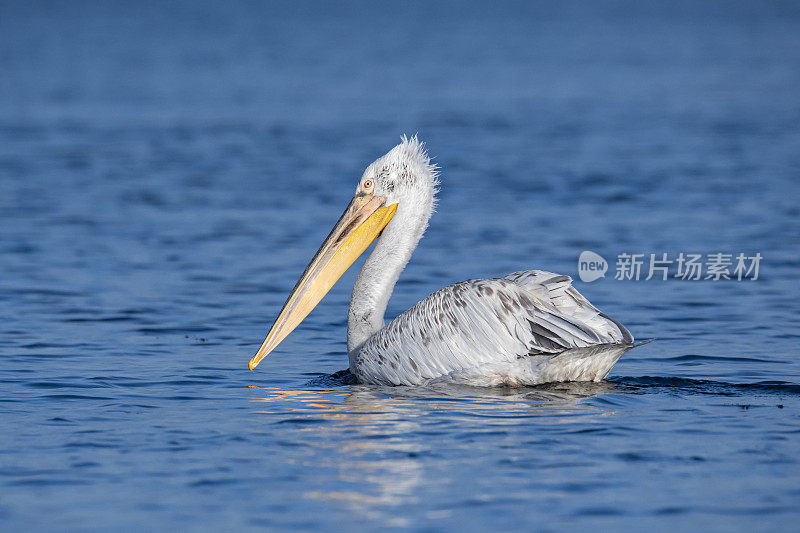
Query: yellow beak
point(361, 223)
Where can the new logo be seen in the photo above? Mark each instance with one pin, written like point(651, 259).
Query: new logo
point(591, 266)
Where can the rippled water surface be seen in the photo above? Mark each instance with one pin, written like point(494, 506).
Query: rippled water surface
point(167, 170)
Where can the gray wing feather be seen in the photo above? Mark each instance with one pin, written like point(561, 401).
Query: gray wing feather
point(484, 322)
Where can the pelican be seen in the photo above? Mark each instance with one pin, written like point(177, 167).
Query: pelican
point(527, 328)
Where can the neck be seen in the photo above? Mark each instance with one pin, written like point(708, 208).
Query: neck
point(380, 273)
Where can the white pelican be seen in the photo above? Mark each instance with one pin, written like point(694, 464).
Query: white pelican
point(528, 328)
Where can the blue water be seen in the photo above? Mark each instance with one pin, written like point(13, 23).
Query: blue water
point(167, 170)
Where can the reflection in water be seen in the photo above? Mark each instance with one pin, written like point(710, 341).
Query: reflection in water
point(382, 441)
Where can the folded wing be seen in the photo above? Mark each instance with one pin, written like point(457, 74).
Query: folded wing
point(485, 322)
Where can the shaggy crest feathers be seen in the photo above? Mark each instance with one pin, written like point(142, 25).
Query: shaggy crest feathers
point(407, 165)
point(415, 152)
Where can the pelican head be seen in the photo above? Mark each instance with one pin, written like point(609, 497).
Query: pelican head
point(395, 196)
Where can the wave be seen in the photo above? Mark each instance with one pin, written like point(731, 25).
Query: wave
point(704, 386)
point(623, 384)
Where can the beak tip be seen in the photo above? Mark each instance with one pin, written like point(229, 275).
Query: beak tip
point(251, 365)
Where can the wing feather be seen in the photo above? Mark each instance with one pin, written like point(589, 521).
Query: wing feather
point(485, 321)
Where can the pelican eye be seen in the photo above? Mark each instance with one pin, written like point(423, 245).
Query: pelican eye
point(368, 184)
